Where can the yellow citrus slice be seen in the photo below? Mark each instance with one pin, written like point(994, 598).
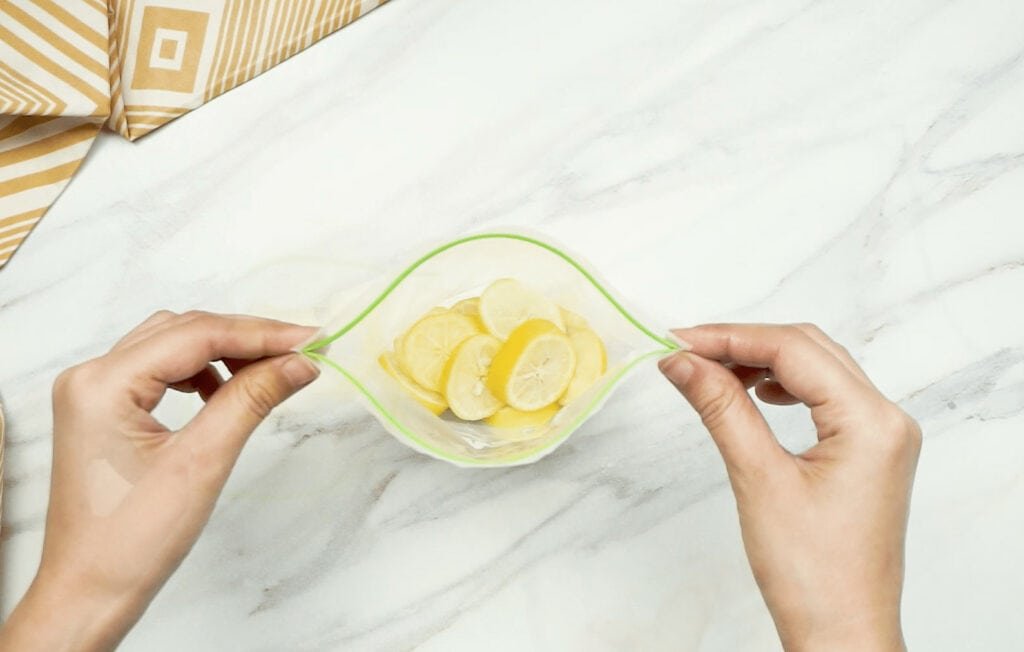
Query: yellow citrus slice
point(397, 343)
point(533, 367)
point(470, 306)
point(509, 417)
point(425, 349)
point(573, 322)
point(591, 362)
point(428, 399)
point(463, 382)
point(507, 303)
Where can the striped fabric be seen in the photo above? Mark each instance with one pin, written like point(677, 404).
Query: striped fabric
point(2, 427)
point(70, 67)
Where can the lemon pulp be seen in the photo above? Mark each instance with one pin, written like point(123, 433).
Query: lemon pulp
point(533, 367)
point(426, 347)
point(507, 303)
point(464, 380)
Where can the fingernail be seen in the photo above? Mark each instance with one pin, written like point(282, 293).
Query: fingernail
point(314, 334)
point(677, 367)
point(299, 370)
point(683, 344)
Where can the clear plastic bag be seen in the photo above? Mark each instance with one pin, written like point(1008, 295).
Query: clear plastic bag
point(456, 270)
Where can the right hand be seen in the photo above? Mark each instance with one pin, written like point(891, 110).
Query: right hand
point(824, 530)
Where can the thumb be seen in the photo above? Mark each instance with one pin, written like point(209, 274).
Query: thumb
point(241, 404)
point(739, 430)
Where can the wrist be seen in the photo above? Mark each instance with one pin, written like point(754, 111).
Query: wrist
point(876, 633)
point(56, 615)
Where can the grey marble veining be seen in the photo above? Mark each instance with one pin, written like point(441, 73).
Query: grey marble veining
point(854, 164)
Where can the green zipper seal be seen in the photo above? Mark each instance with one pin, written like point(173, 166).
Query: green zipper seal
point(309, 348)
point(312, 351)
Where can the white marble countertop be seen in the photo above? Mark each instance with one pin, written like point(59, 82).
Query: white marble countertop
point(856, 164)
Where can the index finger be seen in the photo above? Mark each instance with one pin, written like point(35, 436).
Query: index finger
point(802, 366)
point(179, 351)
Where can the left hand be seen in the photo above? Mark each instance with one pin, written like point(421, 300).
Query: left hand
point(128, 496)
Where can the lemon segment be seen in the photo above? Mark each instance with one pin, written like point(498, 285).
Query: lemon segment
point(533, 367)
point(463, 382)
point(573, 322)
point(507, 303)
point(470, 306)
point(428, 399)
point(426, 347)
point(591, 362)
point(509, 417)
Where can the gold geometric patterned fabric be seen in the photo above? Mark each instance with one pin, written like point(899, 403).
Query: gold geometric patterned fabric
point(70, 67)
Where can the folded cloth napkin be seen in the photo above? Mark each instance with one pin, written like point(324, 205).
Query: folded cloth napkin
point(1, 462)
point(70, 67)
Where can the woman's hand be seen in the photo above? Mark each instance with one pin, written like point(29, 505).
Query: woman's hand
point(823, 530)
point(128, 497)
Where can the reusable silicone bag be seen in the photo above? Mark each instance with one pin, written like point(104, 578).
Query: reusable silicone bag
point(456, 270)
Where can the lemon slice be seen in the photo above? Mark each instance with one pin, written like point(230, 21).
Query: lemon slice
point(428, 399)
point(396, 345)
point(470, 306)
point(507, 303)
point(464, 380)
point(573, 322)
point(425, 349)
point(533, 367)
point(591, 362)
point(509, 417)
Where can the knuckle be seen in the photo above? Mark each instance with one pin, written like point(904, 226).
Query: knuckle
point(815, 332)
point(794, 334)
point(900, 433)
point(810, 328)
point(716, 407)
point(842, 350)
point(159, 315)
point(913, 432)
point(73, 379)
point(62, 383)
point(193, 315)
point(795, 330)
point(808, 332)
point(202, 324)
point(258, 396)
point(893, 419)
